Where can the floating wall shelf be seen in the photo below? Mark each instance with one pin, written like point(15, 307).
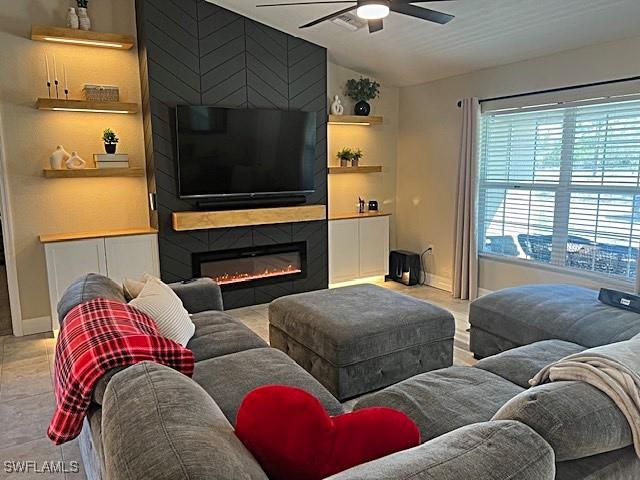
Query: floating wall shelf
point(85, 106)
point(80, 37)
point(185, 221)
point(360, 169)
point(94, 172)
point(355, 120)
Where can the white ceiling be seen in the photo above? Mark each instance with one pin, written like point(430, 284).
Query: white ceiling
point(485, 33)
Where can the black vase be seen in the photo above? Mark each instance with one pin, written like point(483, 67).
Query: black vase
point(362, 108)
point(110, 148)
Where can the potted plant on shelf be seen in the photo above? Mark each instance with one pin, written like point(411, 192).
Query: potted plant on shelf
point(110, 141)
point(345, 155)
point(355, 157)
point(362, 91)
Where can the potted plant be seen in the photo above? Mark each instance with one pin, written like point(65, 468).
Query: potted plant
point(362, 91)
point(355, 157)
point(345, 155)
point(110, 141)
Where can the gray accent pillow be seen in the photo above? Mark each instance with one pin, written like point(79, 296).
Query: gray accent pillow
point(577, 420)
point(158, 424)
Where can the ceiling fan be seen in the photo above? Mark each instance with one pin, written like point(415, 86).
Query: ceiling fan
point(374, 11)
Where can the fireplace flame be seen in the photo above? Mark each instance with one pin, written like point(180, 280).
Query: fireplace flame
point(238, 277)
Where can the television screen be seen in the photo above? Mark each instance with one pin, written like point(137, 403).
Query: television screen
point(242, 152)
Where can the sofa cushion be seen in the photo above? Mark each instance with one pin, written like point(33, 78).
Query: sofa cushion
point(620, 464)
point(357, 323)
point(229, 378)
point(530, 313)
point(443, 400)
point(576, 419)
point(492, 450)
point(519, 365)
point(199, 295)
point(88, 287)
point(219, 334)
point(158, 424)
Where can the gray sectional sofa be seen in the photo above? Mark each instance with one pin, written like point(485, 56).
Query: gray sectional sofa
point(150, 422)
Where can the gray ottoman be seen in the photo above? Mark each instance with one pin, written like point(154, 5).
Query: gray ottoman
point(358, 339)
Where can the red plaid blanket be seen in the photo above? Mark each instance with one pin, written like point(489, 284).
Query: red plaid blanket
point(95, 337)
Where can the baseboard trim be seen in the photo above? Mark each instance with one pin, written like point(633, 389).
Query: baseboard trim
point(436, 281)
point(483, 291)
point(31, 326)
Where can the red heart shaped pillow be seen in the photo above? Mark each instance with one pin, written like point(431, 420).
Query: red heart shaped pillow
point(291, 435)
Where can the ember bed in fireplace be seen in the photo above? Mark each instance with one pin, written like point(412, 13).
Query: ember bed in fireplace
point(253, 266)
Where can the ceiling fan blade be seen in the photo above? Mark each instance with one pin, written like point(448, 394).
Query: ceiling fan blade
point(329, 17)
point(304, 3)
point(423, 13)
point(375, 25)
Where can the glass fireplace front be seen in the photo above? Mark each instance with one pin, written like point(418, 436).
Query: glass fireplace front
point(252, 266)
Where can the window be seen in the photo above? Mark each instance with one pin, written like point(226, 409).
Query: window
point(560, 186)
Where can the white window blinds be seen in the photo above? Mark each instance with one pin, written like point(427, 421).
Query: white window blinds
point(561, 186)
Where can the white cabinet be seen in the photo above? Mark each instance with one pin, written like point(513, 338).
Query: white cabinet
point(374, 246)
point(358, 248)
point(117, 257)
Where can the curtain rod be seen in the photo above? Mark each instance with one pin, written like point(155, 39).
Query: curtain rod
point(559, 89)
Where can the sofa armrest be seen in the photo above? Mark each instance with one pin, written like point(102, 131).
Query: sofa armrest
point(505, 449)
point(200, 295)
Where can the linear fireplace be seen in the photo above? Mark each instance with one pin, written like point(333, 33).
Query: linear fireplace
point(252, 266)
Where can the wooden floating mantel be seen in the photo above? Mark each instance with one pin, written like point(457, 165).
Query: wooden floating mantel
point(73, 36)
point(355, 120)
point(360, 169)
point(185, 221)
point(60, 105)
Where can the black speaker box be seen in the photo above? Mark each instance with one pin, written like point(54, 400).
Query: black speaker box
point(404, 267)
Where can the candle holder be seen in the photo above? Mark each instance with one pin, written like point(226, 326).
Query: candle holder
point(56, 83)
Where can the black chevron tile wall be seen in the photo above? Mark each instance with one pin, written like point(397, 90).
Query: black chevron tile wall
point(193, 52)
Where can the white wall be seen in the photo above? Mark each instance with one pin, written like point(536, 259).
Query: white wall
point(379, 144)
point(40, 205)
point(428, 148)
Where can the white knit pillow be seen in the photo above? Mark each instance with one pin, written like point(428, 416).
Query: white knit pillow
point(162, 304)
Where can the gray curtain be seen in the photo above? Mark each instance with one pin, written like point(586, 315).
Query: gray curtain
point(465, 274)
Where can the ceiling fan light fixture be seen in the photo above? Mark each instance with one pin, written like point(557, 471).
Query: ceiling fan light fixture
point(373, 9)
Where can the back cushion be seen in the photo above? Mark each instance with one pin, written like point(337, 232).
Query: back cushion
point(88, 287)
point(158, 424)
point(577, 420)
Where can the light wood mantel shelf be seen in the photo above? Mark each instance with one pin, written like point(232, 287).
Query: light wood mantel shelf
point(355, 120)
point(65, 237)
point(185, 221)
point(61, 105)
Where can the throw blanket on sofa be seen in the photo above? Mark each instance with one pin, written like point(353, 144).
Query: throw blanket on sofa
point(95, 337)
point(614, 369)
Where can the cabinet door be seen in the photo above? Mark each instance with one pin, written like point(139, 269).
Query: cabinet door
point(68, 261)
point(374, 246)
point(131, 257)
point(343, 250)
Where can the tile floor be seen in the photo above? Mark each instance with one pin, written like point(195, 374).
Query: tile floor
point(26, 388)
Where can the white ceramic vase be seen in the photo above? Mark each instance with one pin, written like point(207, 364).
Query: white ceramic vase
point(72, 18)
point(336, 107)
point(83, 18)
point(58, 158)
point(76, 162)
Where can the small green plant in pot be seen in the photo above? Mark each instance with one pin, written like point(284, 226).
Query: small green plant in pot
point(355, 157)
point(362, 91)
point(110, 141)
point(345, 155)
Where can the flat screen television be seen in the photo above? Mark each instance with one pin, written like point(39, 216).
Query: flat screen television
point(226, 152)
